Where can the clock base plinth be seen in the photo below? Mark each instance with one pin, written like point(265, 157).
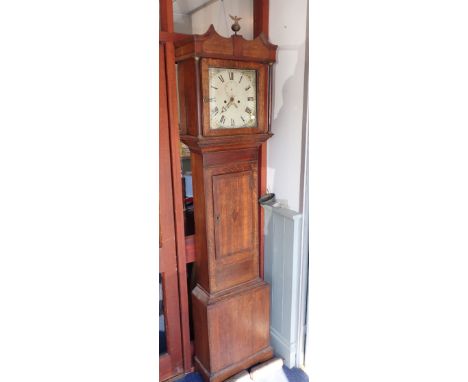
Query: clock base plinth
point(231, 330)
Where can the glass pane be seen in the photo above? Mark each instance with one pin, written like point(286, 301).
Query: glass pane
point(232, 95)
point(190, 285)
point(162, 324)
point(187, 189)
point(196, 16)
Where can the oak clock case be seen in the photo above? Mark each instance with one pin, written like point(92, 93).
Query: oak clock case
point(224, 86)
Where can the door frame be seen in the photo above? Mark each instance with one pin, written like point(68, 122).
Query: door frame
point(170, 363)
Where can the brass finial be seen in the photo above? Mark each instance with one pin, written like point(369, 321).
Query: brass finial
point(235, 27)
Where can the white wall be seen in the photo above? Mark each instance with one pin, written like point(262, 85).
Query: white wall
point(182, 23)
point(288, 31)
point(218, 15)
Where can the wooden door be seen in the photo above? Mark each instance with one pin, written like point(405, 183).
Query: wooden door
point(232, 212)
point(170, 361)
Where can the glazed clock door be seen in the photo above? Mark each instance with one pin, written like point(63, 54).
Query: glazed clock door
point(234, 97)
point(170, 342)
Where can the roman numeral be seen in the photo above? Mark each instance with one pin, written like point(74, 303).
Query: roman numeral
point(241, 79)
point(214, 87)
point(247, 88)
point(221, 78)
point(215, 110)
point(231, 75)
point(250, 98)
point(212, 99)
point(247, 110)
point(232, 122)
point(243, 120)
point(222, 119)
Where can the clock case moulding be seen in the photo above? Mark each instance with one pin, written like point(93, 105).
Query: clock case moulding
point(231, 303)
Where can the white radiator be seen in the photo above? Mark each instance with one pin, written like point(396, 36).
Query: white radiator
point(285, 272)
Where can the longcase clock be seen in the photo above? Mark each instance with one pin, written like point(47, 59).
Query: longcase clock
point(224, 97)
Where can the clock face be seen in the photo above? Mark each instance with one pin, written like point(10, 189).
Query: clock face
point(232, 98)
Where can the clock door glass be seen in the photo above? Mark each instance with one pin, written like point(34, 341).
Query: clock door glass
point(232, 98)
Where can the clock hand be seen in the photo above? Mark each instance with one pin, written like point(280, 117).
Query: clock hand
point(231, 102)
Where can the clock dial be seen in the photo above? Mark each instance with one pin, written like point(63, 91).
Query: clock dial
point(232, 98)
